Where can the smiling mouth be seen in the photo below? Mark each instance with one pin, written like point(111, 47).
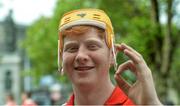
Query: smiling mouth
point(84, 68)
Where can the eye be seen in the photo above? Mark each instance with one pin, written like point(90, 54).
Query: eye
point(92, 47)
point(71, 49)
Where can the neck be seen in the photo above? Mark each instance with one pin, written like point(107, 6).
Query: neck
point(93, 94)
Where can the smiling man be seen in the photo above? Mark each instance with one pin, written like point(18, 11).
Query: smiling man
point(86, 53)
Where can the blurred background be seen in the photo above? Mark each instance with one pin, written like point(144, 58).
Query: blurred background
point(29, 34)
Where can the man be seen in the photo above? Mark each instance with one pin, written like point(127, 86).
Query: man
point(27, 100)
point(10, 100)
point(86, 53)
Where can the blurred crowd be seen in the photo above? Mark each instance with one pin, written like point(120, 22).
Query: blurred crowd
point(26, 100)
point(34, 99)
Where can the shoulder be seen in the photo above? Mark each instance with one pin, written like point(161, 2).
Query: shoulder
point(119, 97)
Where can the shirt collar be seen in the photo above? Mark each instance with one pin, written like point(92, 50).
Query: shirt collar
point(118, 97)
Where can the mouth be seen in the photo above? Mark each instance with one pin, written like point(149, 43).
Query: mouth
point(83, 68)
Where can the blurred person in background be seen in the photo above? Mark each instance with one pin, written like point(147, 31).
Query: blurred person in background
point(10, 100)
point(86, 52)
point(55, 94)
point(27, 100)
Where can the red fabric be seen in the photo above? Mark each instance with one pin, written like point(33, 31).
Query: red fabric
point(118, 97)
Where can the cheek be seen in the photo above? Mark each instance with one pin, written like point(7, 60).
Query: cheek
point(68, 59)
point(101, 59)
point(102, 65)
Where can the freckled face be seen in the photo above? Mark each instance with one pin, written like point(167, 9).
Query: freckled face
point(86, 58)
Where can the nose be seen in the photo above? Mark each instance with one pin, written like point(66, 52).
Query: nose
point(82, 56)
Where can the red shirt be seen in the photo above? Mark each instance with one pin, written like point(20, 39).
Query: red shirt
point(118, 97)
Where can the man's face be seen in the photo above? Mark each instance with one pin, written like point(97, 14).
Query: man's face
point(86, 58)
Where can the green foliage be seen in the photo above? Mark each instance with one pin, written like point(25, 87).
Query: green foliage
point(133, 25)
point(41, 51)
point(174, 70)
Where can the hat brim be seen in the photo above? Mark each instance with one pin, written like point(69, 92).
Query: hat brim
point(83, 22)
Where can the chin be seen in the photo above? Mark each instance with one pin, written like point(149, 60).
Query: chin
point(84, 82)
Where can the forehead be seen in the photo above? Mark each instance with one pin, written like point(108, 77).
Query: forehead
point(77, 32)
point(80, 29)
point(90, 34)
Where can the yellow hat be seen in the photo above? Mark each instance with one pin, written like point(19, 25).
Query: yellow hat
point(94, 17)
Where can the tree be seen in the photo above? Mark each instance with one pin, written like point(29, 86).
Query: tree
point(167, 47)
point(137, 22)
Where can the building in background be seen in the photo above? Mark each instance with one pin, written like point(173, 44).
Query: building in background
point(12, 59)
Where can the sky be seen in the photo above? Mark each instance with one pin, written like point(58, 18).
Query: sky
point(26, 11)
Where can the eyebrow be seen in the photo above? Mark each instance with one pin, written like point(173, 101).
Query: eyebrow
point(93, 40)
point(69, 43)
point(96, 41)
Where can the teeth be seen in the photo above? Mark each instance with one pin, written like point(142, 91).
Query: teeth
point(83, 68)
